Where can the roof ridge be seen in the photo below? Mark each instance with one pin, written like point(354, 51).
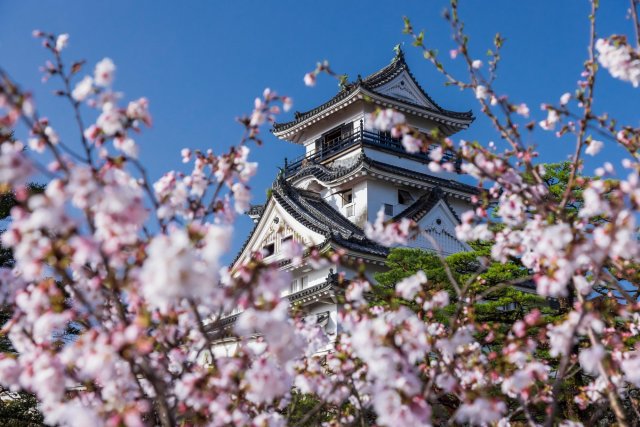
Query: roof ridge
point(426, 201)
point(449, 183)
point(372, 81)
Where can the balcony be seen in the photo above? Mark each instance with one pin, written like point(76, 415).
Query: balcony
point(358, 137)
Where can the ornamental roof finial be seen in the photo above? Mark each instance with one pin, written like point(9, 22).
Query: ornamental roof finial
point(399, 53)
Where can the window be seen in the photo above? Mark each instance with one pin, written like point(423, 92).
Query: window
point(346, 130)
point(286, 239)
point(269, 249)
point(350, 211)
point(304, 280)
point(347, 197)
point(331, 138)
point(388, 209)
point(294, 286)
point(404, 197)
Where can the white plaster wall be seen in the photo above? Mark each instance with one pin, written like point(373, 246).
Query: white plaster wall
point(381, 192)
point(407, 163)
point(222, 349)
point(360, 203)
point(352, 113)
point(459, 206)
point(420, 123)
point(318, 276)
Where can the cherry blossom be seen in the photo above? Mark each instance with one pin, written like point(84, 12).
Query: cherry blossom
point(168, 334)
point(388, 233)
point(408, 288)
point(594, 147)
point(83, 89)
point(481, 92)
point(622, 61)
point(62, 41)
point(104, 72)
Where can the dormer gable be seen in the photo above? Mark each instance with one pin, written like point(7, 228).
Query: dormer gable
point(404, 88)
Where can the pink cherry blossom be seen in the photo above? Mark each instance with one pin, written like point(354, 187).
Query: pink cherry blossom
point(104, 72)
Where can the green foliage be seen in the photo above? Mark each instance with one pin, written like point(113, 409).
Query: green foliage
point(474, 268)
point(301, 406)
point(21, 410)
point(496, 311)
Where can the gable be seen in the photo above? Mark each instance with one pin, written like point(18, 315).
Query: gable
point(440, 224)
point(404, 88)
point(272, 228)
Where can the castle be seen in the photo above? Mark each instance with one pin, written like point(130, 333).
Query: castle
point(348, 173)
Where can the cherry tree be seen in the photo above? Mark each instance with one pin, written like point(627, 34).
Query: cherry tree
point(135, 266)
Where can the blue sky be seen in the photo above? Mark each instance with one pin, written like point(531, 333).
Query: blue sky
point(201, 63)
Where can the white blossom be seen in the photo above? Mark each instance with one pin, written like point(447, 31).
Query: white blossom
point(594, 147)
point(481, 92)
point(620, 59)
point(408, 287)
point(104, 72)
point(62, 41)
point(83, 89)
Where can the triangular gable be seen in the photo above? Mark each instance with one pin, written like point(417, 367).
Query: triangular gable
point(274, 225)
point(404, 88)
point(440, 224)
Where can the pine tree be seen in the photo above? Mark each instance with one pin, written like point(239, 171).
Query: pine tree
point(16, 409)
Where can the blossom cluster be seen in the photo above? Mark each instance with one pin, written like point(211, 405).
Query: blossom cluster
point(165, 333)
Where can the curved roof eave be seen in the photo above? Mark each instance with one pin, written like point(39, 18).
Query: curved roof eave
point(288, 130)
point(371, 82)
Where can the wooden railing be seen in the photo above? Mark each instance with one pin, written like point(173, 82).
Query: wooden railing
point(328, 149)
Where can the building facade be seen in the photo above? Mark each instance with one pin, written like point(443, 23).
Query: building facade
point(348, 173)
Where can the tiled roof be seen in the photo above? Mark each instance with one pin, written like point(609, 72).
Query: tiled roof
point(372, 82)
point(364, 246)
point(255, 210)
point(312, 211)
point(409, 173)
point(333, 284)
point(418, 209)
point(328, 174)
point(423, 205)
point(398, 65)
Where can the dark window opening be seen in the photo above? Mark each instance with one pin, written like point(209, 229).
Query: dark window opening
point(438, 221)
point(404, 197)
point(269, 249)
point(388, 209)
point(332, 138)
point(347, 197)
